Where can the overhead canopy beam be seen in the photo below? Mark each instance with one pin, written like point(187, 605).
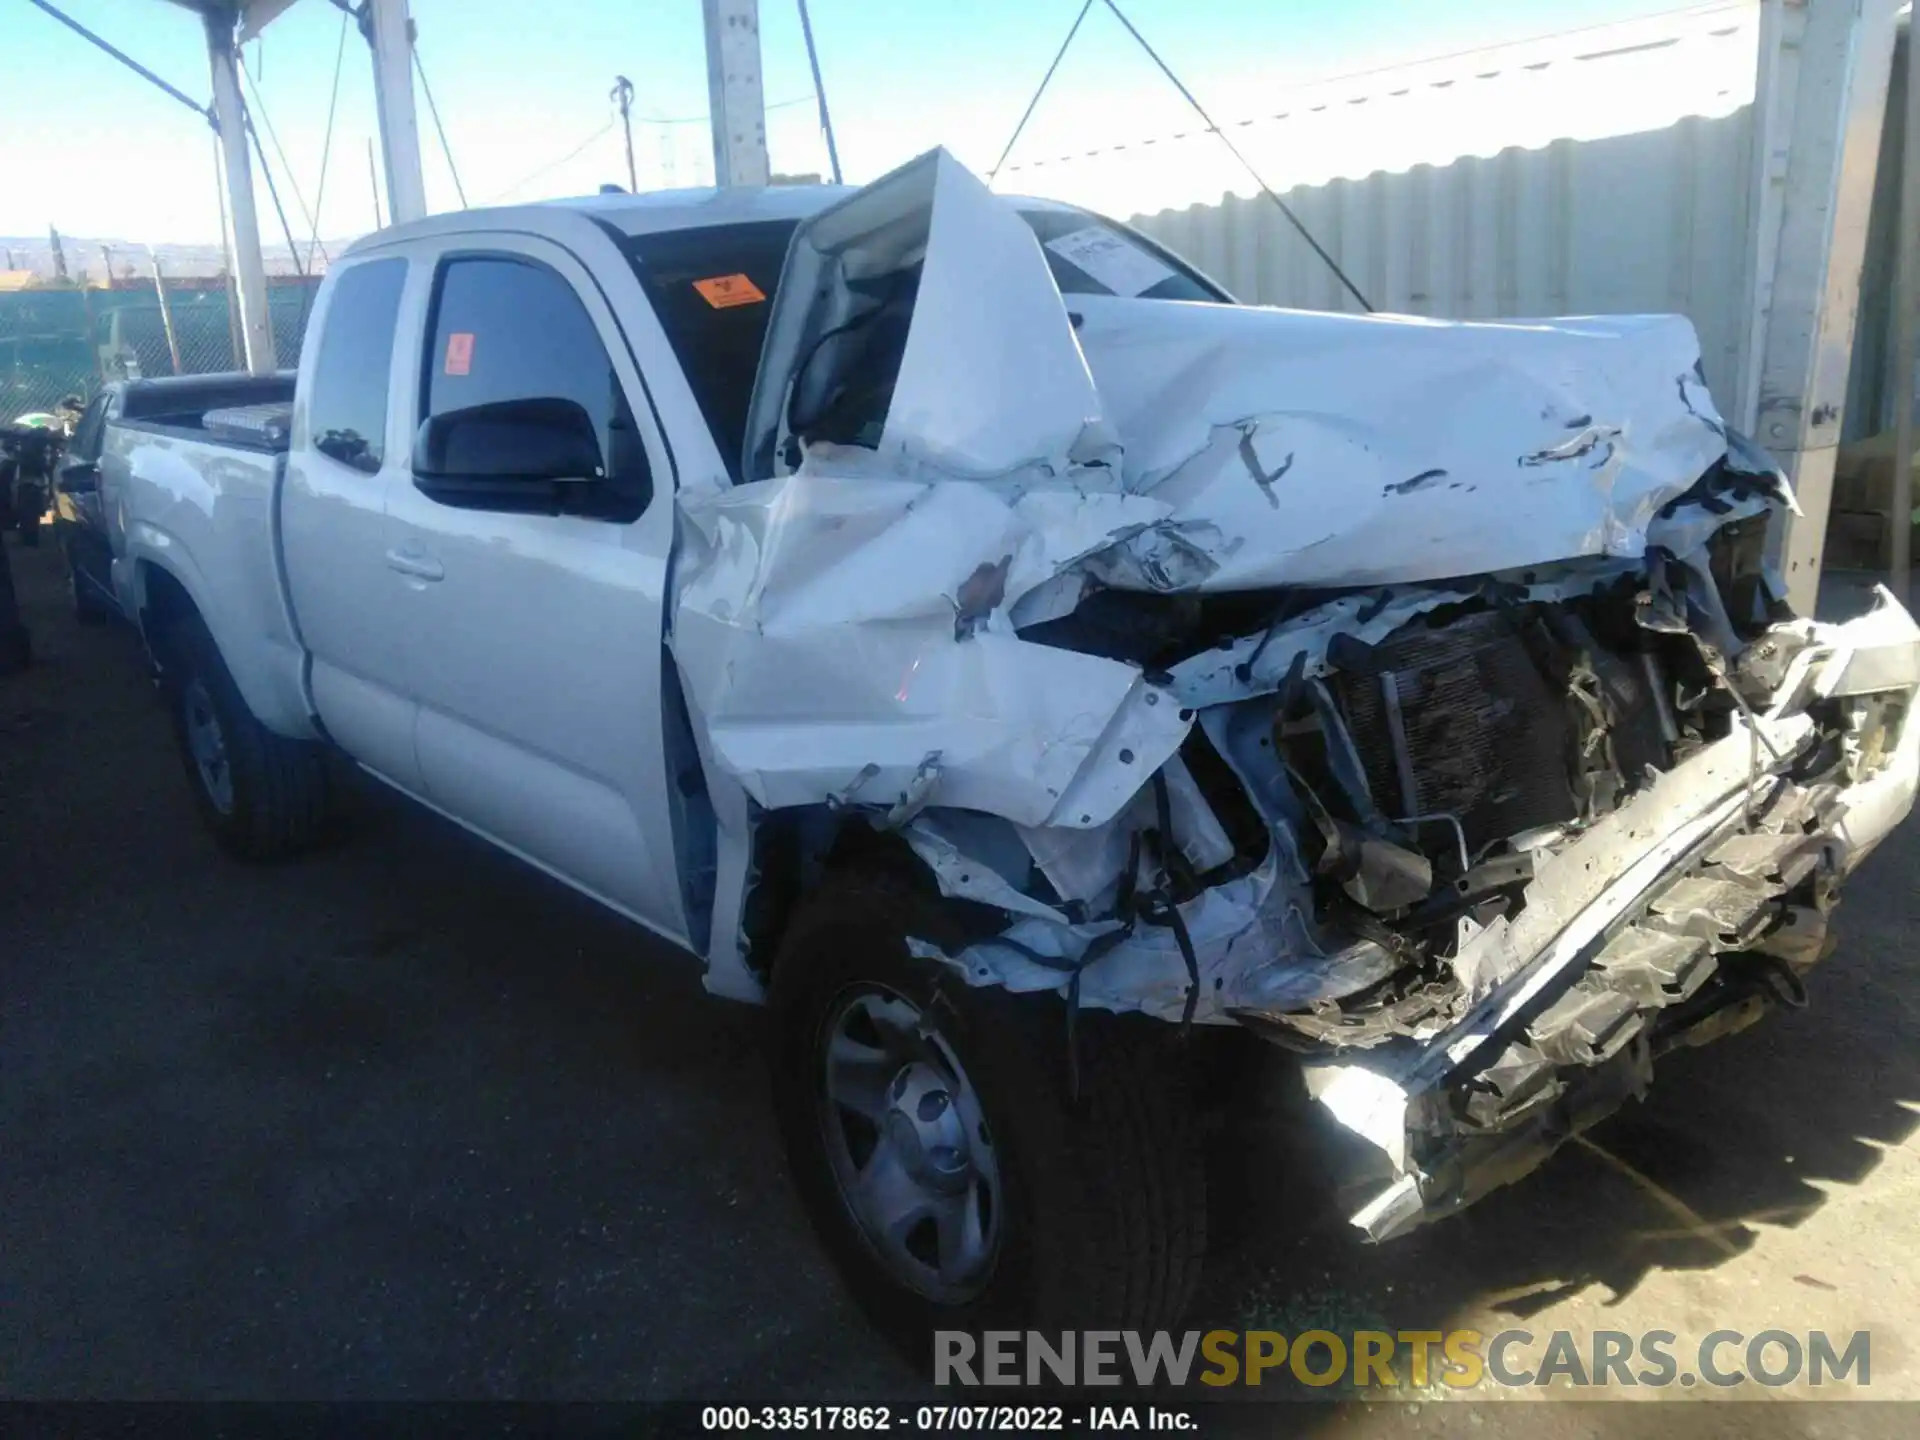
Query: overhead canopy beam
point(390, 30)
point(736, 103)
point(125, 59)
point(250, 270)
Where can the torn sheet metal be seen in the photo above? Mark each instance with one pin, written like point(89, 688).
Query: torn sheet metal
point(990, 380)
point(1251, 937)
point(835, 630)
point(1582, 895)
point(841, 626)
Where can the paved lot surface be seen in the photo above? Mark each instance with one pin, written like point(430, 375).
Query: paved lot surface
point(405, 1120)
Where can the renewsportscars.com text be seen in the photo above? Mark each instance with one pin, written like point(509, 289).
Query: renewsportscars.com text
point(1460, 1359)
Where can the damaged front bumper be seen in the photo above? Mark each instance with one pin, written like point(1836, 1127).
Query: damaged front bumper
point(1680, 918)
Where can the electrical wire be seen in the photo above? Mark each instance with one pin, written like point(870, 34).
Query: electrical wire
point(260, 104)
point(1045, 81)
point(703, 119)
point(556, 164)
point(273, 191)
point(326, 147)
point(1234, 150)
point(439, 129)
point(820, 92)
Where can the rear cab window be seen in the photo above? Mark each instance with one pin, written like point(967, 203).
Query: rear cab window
point(347, 413)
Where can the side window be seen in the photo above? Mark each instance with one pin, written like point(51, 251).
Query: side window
point(347, 415)
point(512, 333)
point(88, 434)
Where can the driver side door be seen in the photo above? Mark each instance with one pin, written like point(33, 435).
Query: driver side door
point(534, 626)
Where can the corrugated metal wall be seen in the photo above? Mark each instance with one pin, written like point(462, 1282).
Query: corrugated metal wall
point(1650, 220)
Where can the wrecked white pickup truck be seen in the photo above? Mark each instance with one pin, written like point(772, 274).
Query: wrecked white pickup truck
point(1047, 663)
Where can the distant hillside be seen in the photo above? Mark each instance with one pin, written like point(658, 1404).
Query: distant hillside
point(85, 258)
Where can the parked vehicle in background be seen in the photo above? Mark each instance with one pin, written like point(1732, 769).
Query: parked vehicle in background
point(30, 450)
point(980, 643)
point(80, 520)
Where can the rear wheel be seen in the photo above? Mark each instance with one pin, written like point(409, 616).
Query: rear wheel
point(263, 796)
point(945, 1160)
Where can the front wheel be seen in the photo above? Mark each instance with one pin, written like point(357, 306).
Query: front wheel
point(943, 1155)
point(263, 796)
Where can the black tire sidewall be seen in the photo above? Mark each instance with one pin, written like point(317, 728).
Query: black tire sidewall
point(247, 831)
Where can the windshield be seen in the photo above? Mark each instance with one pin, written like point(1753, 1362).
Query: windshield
point(1091, 256)
point(712, 289)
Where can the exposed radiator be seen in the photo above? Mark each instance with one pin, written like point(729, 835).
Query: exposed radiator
point(1487, 738)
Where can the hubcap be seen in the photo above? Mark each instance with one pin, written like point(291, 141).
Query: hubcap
point(207, 743)
point(909, 1146)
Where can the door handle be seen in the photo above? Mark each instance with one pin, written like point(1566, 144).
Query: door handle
point(413, 564)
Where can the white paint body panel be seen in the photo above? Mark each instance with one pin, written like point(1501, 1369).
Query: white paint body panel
point(850, 626)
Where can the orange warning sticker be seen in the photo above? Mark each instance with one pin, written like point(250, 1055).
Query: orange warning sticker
point(459, 353)
point(722, 291)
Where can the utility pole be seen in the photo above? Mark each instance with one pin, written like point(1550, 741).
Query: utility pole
point(622, 95)
point(736, 103)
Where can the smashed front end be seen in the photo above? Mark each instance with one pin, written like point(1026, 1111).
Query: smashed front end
point(1419, 695)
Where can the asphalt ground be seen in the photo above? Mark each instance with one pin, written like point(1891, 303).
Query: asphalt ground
point(406, 1120)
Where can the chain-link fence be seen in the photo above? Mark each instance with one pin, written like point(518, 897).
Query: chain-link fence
point(55, 343)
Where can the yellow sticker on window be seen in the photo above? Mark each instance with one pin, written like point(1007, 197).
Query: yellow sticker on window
point(724, 291)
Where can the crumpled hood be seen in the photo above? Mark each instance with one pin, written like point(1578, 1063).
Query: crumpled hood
point(850, 631)
point(1293, 448)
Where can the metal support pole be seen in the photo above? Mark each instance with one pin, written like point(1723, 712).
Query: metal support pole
point(250, 269)
point(1818, 111)
point(392, 35)
point(1906, 289)
point(166, 311)
point(736, 104)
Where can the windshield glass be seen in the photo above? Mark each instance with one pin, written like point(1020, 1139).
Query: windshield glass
point(1091, 256)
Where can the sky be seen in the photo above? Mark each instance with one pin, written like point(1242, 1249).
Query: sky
point(523, 90)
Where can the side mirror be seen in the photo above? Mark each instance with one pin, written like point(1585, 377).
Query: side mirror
point(82, 477)
point(497, 447)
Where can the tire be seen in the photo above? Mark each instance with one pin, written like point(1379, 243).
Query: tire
point(262, 795)
point(1099, 1211)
